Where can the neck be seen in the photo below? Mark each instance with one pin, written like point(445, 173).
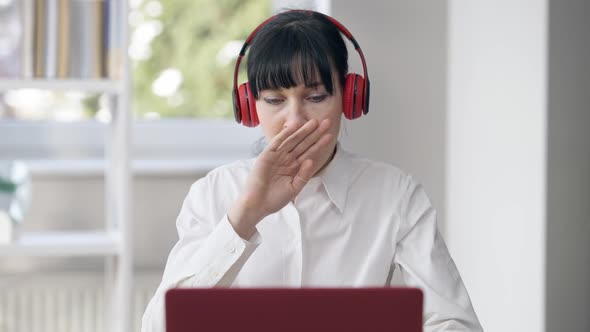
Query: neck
point(327, 161)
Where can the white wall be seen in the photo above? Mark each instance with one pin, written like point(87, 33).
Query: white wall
point(496, 138)
point(568, 167)
point(404, 42)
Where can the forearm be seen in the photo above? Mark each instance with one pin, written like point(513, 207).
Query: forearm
point(244, 216)
point(216, 261)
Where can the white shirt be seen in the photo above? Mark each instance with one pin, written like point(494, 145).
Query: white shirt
point(350, 226)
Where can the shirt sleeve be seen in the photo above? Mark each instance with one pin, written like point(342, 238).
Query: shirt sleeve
point(207, 254)
point(425, 262)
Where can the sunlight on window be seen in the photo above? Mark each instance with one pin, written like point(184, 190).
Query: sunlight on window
point(39, 105)
point(32, 103)
point(153, 8)
point(144, 33)
point(167, 83)
point(229, 52)
point(184, 52)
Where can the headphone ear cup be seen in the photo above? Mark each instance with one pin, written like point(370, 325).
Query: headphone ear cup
point(352, 102)
point(247, 109)
point(347, 96)
point(359, 100)
point(366, 96)
point(236, 103)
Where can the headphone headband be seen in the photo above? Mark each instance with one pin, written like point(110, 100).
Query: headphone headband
point(353, 100)
point(337, 24)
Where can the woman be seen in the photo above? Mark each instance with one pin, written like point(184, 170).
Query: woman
point(305, 212)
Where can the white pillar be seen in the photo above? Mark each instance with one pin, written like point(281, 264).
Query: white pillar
point(496, 157)
point(568, 167)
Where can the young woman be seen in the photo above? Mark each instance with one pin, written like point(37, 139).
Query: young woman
point(305, 212)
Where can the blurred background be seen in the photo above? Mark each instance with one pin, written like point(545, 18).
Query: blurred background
point(485, 102)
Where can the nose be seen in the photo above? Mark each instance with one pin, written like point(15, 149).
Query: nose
point(295, 115)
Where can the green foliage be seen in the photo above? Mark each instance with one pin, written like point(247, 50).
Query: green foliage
point(194, 32)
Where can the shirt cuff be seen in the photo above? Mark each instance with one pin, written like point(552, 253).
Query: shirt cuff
point(224, 250)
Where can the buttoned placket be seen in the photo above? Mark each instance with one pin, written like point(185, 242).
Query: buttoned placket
point(295, 224)
point(293, 278)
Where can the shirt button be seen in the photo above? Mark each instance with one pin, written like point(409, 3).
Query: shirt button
point(232, 250)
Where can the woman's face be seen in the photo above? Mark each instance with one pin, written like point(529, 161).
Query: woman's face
point(295, 106)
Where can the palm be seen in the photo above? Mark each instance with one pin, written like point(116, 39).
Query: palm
point(286, 164)
point(273, 176)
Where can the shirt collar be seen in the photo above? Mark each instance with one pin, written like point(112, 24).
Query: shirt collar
point(336, 176)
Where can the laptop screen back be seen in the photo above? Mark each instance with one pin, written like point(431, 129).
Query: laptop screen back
point(294, 309)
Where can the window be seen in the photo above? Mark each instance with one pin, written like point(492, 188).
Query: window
point(182, 56)
point(184, 53)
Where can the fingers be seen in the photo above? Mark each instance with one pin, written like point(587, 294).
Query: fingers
point(305, 173)
point(322, 143)
point(304, 142)
point(290, 142)
point(279, 138)
point(311, 139)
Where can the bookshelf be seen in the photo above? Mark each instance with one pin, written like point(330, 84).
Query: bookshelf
point(114, 242)
point(60, 244)
point(91, 85)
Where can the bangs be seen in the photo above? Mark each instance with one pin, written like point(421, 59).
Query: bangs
point(288, 59)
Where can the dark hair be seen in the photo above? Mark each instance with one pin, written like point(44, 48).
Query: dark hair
point(293, 48)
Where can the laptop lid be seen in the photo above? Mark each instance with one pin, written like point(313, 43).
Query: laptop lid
point(294, 309)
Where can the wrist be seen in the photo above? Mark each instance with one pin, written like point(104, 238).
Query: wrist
point(244, 218)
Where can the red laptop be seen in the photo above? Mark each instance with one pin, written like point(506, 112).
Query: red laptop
point(294, 309)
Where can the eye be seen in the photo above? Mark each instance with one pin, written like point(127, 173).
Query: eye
point(273, 100)
point(317, 98)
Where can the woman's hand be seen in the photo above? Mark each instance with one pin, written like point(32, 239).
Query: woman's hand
point(280, 173)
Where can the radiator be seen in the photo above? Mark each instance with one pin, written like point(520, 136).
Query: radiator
point(70, 302)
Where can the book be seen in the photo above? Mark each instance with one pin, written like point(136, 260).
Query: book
point(63, 38)
point(114, 44)
point(40, 38)
point(10, 40)
point(86, 39)
point(51, 38)
point(60, 39)
point(28, 40)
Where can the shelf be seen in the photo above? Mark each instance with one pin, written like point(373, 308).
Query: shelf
point(82, 85)
point(64, 244)
point(93, 167)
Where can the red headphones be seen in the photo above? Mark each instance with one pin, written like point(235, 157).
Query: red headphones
point(355, 94)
